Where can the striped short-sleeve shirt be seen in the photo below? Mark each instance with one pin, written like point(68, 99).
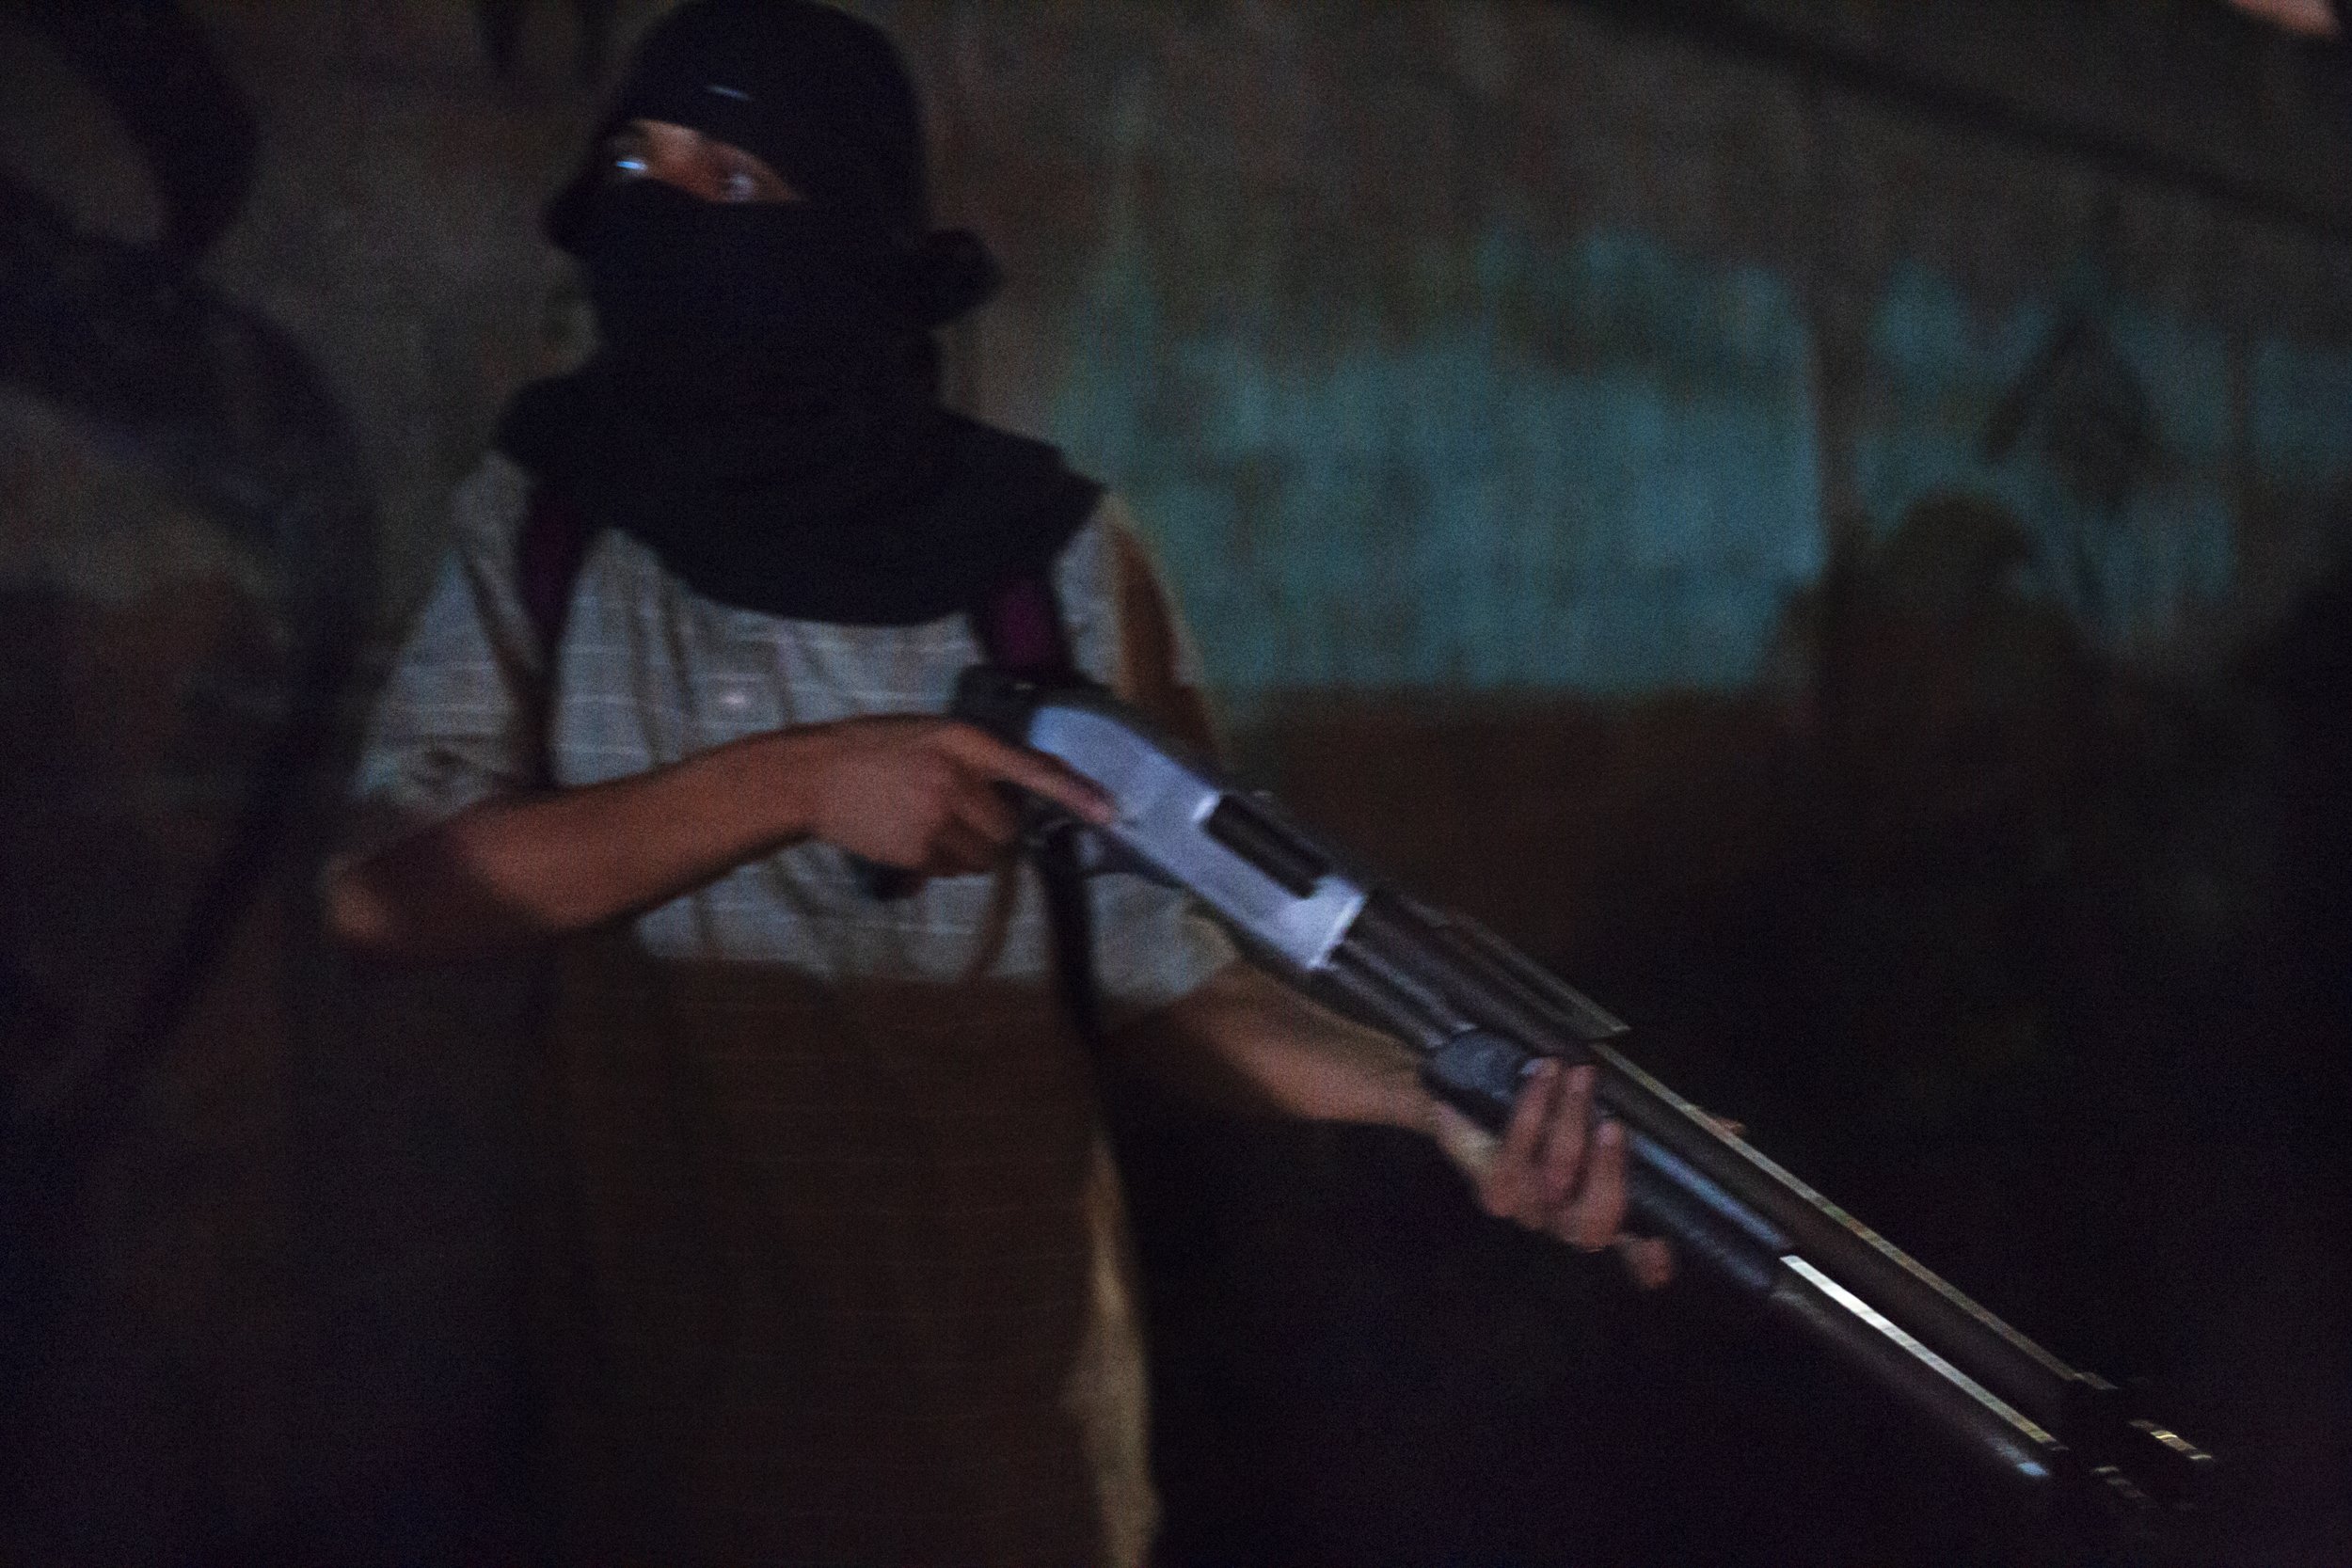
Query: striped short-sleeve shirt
point(649, 673)
point(839, 1244)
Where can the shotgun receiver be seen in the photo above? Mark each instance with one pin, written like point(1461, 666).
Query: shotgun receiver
point(1482, 1016)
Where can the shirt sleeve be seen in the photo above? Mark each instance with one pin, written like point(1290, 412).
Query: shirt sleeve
point(461, 717)
point(1153, 946)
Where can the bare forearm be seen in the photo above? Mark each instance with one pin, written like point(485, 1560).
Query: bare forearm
point(1555, 1169)
point(509, 871)
point(1246, 1036)
point(905, 790)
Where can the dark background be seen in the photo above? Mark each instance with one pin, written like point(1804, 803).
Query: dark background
point(1825, 520)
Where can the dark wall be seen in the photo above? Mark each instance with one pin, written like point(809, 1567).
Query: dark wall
point(1826, 519)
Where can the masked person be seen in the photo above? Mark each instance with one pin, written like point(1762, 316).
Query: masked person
point(835, 1258)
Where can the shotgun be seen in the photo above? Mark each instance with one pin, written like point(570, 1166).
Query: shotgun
point(1482, 1016)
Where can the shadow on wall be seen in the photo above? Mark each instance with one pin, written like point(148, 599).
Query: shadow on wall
point(186, 572)
point(129, 371)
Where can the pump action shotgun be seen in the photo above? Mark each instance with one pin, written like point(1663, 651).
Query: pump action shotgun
point(1481, 1016)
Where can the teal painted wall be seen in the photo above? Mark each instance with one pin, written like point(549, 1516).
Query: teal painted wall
point(1596, 467)
point(1595, 471)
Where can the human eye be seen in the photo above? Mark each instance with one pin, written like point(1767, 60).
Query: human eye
point(625, 158)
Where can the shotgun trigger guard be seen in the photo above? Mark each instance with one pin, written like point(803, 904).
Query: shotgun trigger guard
point(1049, 829)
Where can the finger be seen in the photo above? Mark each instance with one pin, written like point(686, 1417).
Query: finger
point(980, 808)
point(1648, 1260)
point(1512, 1189)
point(1032, 771)
point(957, 850)
point(1591, 1222)
point(1565, 1137)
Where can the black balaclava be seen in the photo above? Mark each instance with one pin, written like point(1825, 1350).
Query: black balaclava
point(763, 409)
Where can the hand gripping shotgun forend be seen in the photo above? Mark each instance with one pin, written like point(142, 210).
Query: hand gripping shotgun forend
point(1481, 1016)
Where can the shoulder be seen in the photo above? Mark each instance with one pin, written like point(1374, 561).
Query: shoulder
point(476, 594)
point(1148, 655)
point(1109, 561)
point(489, 507)
point(1101, 576)
point(1127, 575)
point(1121, 536)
